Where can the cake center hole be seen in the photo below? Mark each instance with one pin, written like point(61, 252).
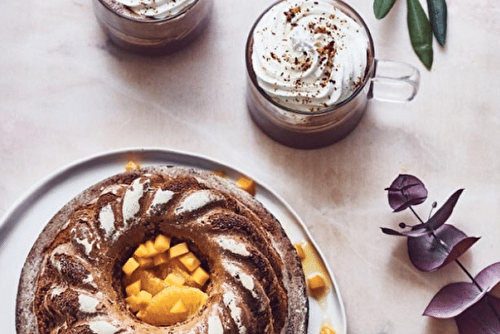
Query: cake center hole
point(165, 283)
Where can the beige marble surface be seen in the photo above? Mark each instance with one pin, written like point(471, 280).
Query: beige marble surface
point(67, 93)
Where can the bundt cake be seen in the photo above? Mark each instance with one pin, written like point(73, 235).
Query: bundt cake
point(212, 249)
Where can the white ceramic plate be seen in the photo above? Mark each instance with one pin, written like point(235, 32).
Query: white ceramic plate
point(22, 224)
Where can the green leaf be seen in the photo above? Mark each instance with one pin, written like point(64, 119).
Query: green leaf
point(438, 13)
point(382, 7)
point(420, 31)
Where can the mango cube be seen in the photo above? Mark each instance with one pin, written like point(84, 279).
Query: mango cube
point(145, 262)
point(316, 281)
point(162, 243)
point(178, 250)
point(190, 261)
point(139, 301)
point(130, 266)
point(132, 165)
point(160, 259)
point(200, 276)
point(134, 288)
point(151, 283)
point(179, 307)
point(326, 329)
point(175, 279)
point(220, 173)
point(150, 246)
point(300, 251)
point(246, 184)
point(141, 251)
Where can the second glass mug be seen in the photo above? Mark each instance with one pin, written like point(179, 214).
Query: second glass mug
point(384, 80)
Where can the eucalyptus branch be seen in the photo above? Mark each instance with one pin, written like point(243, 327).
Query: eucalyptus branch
point(433, 244)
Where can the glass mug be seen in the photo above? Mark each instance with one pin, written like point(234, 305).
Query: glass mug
point(152, 36)
point(382, 80)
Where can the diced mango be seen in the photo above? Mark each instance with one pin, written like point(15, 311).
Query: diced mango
point(326, 329)
point(145, 262)
point(132, 303)
point(220, 173)
point(300, 251)
point(150, 246)
point(316, 281)
point(190, 261)
point(132, 165)
point(129, 279)
point(160, 259)
point(134, 288)
point(139, 301)
point(200, 276)
point(178, 307)
point(155, 313)
point(246, 184)
point(175, 279)
point(130, 266)
point(141, 251)
point(151, 283)
point(140, 314)
point(178, 250)
point(162, 243)
point(158, 283)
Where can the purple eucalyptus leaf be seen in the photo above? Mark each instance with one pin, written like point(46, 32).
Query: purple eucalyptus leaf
point(481, 318)
point(406, 190)
point(460, 248)
point(390, 231)
point(433, 251)
point(452, 300)
point(409, 233)
point(444, 212)
point(489, 277)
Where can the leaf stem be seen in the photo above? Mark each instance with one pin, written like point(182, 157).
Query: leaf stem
point(416, 215)
point(469, 275)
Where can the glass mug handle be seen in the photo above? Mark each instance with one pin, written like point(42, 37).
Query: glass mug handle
point(394, 81)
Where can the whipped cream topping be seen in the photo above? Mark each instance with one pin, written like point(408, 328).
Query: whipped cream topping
point(308, 55)
point(157, 9)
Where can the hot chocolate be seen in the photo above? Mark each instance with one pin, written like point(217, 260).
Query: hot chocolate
point(152, 27)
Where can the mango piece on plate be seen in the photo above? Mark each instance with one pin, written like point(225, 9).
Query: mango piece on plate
point(300, 251)
point(132, 165)
point(316, 281)
point(246, 184)
point(326, 329)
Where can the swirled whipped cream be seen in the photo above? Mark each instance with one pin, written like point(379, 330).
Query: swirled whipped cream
point(156, 9)
point(308, 55)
